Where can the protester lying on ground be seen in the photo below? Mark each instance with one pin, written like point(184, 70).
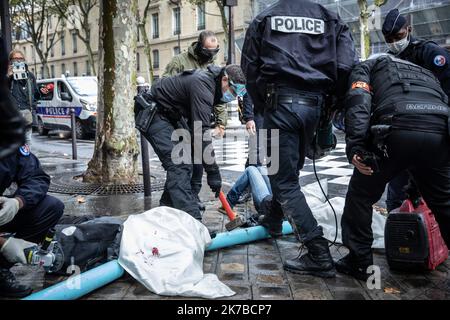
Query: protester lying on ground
point(256, 179)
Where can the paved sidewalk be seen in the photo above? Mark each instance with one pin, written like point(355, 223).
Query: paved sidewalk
point(254, 271)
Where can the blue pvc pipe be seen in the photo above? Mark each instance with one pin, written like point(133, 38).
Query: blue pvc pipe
point(108, 272)
point(241, 236)
point(80, 285)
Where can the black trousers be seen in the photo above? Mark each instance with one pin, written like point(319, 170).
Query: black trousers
point(426, 157)
point(177, 190)
point(296, 124)
point(33, 224)
point(196, 180)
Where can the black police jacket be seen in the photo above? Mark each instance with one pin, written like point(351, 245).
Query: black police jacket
point(297, 44)
point(431, 56)
point(248, 112)
point(20, 92)
point(387, 90)
point(24, 169)
point(192, 93)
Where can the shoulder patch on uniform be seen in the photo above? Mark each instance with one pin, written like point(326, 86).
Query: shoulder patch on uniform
point(306, 25)
point(440, 61)
point(25, 150)
point(362, 85)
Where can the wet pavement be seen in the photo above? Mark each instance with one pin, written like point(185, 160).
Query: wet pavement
point(254, 271)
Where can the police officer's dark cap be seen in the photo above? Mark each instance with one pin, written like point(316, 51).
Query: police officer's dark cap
point(393, 23)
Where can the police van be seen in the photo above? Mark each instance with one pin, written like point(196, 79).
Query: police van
point(64, 94)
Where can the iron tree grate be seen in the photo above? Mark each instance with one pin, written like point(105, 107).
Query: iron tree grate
point(63, 184)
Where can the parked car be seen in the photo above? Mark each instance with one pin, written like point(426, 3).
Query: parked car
point(64, 94)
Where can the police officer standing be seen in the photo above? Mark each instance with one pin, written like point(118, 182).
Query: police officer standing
point(396, 120)
point(295, 53)
point(397, 32)
point(185, 101)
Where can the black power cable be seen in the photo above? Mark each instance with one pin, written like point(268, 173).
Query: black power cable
point(323, 191)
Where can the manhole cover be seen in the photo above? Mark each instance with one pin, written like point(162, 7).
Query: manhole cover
point(66, 184)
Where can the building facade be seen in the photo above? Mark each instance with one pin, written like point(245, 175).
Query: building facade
point(171, 29)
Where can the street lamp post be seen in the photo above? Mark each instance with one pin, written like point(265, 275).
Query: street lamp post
point(231, 52)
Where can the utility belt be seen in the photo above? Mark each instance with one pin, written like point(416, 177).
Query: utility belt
point(276, 94)
point(382, 126)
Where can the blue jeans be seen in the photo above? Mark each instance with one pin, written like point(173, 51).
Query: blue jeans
point(396, 191)
point(256, 178)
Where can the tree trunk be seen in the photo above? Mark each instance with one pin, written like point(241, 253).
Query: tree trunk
point(116, 148)
point(224, 18)
point(364, 26)
point(91, 58)
point(147, 50)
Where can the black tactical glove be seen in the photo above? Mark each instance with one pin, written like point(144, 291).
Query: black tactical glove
point(214, 181)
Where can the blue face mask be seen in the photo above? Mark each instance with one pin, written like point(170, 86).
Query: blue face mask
point(228, 97)
point(238, 88)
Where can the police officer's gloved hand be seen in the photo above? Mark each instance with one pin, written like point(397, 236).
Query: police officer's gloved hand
point(13, 250)
point(8, 209)
point(214, 181)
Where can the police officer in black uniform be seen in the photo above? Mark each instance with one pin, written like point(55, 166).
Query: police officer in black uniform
point(182, 101)
point(398, 35)
point(28, 214)
point(396, 120)
point(295, 53)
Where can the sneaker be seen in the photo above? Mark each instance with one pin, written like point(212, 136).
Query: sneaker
point(10, 287)
point(246, 196)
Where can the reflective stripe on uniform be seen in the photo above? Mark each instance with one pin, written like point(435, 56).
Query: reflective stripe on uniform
point(298, 25)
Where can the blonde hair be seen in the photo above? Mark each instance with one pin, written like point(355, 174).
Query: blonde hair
point(15, 51)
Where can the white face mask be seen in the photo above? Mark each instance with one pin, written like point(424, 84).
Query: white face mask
point(399, 46)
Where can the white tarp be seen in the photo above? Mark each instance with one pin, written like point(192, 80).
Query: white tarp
point(325, 217)
point(164, 249)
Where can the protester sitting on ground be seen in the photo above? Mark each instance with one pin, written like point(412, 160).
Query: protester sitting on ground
point(256, 179)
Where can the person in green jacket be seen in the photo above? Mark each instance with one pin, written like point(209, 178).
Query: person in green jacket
point(199, 55)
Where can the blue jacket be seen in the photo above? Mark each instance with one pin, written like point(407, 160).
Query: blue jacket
point(24, 169)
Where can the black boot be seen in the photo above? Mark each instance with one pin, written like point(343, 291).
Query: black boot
point(317, 262)
point(200, 204)
point(271, 217)
point(356, 268)
point(273, 225)
point(10, 287)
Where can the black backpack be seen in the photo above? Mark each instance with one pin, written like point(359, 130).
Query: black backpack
point(85, 245)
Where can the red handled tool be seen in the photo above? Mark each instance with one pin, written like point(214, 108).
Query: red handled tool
point(235, 220)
